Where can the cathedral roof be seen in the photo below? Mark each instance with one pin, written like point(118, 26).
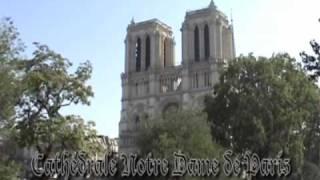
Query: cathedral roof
point(207, 10)
point(150, 22)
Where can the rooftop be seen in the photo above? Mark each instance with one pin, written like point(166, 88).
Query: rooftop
point(150, 21)
point(211, 7)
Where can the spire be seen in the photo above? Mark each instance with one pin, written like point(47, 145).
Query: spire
point(212, 5)
point(132, 21)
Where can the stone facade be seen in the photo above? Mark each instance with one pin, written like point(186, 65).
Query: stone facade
point(153, 84)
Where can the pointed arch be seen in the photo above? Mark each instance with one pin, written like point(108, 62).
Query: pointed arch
point(137, 119)
point(206, 42)
point(138, 55)
point(148, 52)
point(196, 44)
point(165, 52)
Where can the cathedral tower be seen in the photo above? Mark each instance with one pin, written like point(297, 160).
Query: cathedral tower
point(153, 85)
point(149, 46)
point(206, 35)
point(149, 50)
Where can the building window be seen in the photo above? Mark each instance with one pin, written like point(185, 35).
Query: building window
point(147, 52)
point(137, 119)
point(165, 52)
point(138, 55)
point(196, 44)
point(206, 42)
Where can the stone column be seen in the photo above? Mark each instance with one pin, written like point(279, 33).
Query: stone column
point(152, 84)
point(214, 76)
point(141, 87)
point(155, 51)
point(129, 55)
point(233, 43)
point(169, 51)
point(161, 54)
point(126, 66)
point(212, 37)
point(184, 45)
point(231, 39)
point(230, 51)
point(166, 50)
point(201, 41)
point(224, 43)
point(132, 56)
point(191, 43)
point(219, 40)
point(227, 44)
point(172, 49)
point(125, 85)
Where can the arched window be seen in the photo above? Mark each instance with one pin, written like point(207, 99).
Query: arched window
point(206, 42)
point(165, 52)
point(147, 52)
point(137, 119)
point(196, 44)
point(138, 55)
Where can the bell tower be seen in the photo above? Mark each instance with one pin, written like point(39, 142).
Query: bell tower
point(149, 46)
point(206, 36)
point(152, 84)
point(149, 50)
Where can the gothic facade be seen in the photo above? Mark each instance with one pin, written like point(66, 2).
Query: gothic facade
point(153, 84)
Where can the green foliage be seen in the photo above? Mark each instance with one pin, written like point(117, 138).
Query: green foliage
point(10, 44)
point(8, 170)
point(184, 131)
point(48, 87)
point(311, 62)
point(263, 105)
point(10, 48)
point(312, 142)
point(32, 94)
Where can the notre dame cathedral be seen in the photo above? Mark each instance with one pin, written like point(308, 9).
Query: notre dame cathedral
point(153, 84)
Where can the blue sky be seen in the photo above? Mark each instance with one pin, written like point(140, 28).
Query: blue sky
point(95, 30)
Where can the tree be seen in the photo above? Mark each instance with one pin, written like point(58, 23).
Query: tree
point(312, 62)
point(10, 49)
point(262, 105)
point(185, 130)
point(47, 87)
point(32, 94)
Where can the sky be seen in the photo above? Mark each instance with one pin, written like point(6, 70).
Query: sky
point(95, 30)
